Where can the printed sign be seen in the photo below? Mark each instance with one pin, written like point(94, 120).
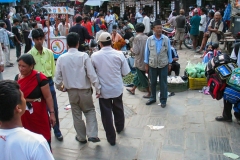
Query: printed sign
point(60, 10)
point(58, 46)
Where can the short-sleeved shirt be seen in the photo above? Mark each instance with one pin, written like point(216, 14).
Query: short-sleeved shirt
point(180, 21)
point(139, 44)
point(172, 21)
point(195, 22)
point(110, 71)
point(15, 31)
point(44, 62)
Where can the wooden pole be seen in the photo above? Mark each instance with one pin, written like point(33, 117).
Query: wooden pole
point(67, 27)
point(48, 31)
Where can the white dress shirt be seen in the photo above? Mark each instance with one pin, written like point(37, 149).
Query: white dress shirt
point(75, 70)
point(62, 29)
point(110, 66)
point(203, 22)
point(109, 18)
point(146, 22)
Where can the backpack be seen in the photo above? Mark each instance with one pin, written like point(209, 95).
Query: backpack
point(224, 71)
point(215, 62)
point(231, 95)
point(216, 87)
point(234, 80)
point(220, 35)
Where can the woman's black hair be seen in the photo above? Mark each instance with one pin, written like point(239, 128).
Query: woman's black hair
point(34, 24)
point(28, 59)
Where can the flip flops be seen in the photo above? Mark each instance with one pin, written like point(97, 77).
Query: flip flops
point(132, 93)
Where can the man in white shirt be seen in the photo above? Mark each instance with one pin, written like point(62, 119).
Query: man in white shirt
point(139, 16)
point(63, 28)
point(109, 21)
point(146, 22)
point(103, 29)
point(15, 141)
point(75, 74)
point(110, 66)
point(1, 62)
point(202, 25)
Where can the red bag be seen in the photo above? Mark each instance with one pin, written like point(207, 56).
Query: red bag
point(216, 86)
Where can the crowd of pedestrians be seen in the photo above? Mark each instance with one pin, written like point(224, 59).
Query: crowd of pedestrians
point(76, 72)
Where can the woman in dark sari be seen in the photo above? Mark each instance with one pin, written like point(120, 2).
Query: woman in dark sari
point(35, 88)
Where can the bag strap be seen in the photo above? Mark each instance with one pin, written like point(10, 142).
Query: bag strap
point(38, 77)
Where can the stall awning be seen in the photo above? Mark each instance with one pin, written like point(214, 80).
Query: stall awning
point(94, 2)
point(9, 1)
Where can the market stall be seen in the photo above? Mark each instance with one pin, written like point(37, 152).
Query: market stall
point(58, 44)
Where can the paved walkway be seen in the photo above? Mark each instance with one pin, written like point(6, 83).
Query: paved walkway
point(190, 131)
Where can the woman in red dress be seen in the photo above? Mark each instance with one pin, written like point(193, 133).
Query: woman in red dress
point(35, 88)
point(88, 25)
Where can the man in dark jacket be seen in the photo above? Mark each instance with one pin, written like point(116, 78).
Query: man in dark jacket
point(82, 32)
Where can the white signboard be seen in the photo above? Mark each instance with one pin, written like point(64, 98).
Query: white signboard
point(60, 10)
point(58, 45)
point(199, 3)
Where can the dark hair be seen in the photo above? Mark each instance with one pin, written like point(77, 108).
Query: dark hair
point(204, 10)
point(114, 26)
point(72, 39)
point(15, 20)
point(10, 97)
point(174, 14)
point(78, 19)
point(107, 43)
point(2, 24)
point(37, 33)
point(139, 27)
point(85, 19)
point(24, 17)
point(34, 24)
point(211, 13)
point(27, 58)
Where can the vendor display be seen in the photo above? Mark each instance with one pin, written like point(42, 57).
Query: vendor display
point(196, 75)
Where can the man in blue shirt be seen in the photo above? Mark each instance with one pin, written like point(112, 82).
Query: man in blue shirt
point(158, 60)
point(175, 64)
point(194, 32)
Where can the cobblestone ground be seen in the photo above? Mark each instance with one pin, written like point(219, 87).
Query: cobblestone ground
point(190, 131)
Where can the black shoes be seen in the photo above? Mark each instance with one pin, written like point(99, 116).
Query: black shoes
point(94, 139)
point(221, 118)
point(83, 142)
point(112, 143)
point(60, 138)
point(150, 102)
point(163, 105)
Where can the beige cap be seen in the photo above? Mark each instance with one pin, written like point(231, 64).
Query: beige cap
point(104, 37)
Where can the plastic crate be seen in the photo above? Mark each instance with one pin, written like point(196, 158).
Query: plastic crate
point(197, 83)
point(177, 87)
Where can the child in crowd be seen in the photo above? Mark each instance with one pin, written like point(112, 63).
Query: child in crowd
point(212, 53)
point(208, 48)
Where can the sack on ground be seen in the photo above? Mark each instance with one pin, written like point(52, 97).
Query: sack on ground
point(216, 86)
point(234, 80)
point(231, 95)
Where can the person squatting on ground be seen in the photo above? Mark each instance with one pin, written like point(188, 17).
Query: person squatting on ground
point(13, 135)
point(75, 74)
point(139, 44)
point(110, 71)
point(45, 63)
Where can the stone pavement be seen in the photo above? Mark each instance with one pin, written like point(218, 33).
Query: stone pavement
point(190, 131)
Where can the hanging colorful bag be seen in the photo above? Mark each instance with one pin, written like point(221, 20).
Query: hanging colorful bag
point(234, 80)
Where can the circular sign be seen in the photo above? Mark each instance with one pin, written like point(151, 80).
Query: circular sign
point(57, 46)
